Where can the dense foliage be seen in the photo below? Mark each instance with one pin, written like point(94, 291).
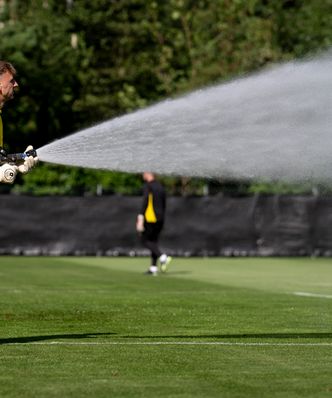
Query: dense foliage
point(81, 62)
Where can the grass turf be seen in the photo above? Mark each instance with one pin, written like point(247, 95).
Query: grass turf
point(98, 327)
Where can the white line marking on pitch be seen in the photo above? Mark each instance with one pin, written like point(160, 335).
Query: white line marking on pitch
point(305, 294)
point(220, 343)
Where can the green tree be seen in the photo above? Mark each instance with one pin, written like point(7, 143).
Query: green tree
point(38, 43)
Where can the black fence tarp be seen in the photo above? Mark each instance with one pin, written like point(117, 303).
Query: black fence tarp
point(211, 226)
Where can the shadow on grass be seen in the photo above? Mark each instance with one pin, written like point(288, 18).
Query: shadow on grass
point(241, 336)
point(30, 339)
point(261, 336)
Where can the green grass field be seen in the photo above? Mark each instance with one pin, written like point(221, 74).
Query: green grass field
point(98, 327)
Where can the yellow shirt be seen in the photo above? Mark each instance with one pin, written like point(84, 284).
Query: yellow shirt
point(150, 215)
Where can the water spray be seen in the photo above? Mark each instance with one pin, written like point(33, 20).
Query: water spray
point(273, 125)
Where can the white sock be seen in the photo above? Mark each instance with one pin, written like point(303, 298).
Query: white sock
point(153, 268)
point(163, 258)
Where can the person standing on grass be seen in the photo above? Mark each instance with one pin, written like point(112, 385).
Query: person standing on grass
point(150, 221)
point(9, 168)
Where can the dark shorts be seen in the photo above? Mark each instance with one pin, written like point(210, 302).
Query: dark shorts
point(152, 230)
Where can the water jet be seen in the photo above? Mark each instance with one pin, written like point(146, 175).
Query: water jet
point(273, 125)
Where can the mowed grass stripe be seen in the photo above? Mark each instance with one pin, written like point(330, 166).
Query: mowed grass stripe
point(313, 275)
point(179, 343)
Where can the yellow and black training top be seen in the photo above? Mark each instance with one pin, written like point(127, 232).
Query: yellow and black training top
point(154, 202)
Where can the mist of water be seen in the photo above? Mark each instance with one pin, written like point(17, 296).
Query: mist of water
point(274, 125)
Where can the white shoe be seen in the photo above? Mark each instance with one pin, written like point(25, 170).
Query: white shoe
point(164, 262)
point(148, 272)
point(153, 270)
